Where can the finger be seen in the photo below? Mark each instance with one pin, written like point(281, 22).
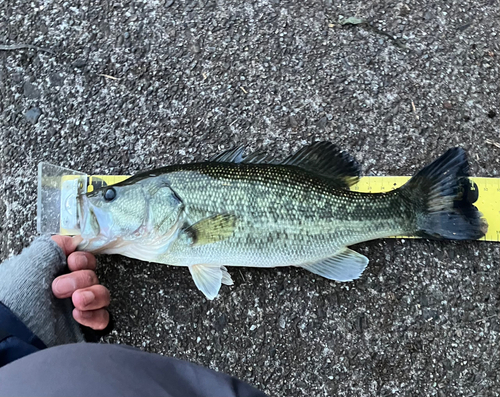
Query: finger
point(81, 260)
point(64, 286)
point(95, 319)
point(92, 298)
point(68, 244)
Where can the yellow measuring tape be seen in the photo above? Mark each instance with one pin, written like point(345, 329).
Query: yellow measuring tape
point(488, 202)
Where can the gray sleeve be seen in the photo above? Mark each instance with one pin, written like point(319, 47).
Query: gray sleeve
point(26, 289)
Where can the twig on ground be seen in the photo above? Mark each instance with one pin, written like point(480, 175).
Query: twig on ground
point(108, 76)
point(490, 142)
point(13, 47)
point(361, 22)
point(414, 109)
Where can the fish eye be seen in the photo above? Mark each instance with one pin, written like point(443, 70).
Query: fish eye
point(109, 194)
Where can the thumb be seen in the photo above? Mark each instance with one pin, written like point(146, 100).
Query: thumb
point(66, 243)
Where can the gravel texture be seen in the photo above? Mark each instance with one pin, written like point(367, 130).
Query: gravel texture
point(133, 85)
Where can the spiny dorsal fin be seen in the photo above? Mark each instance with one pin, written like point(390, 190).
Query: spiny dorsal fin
point(234, 155)
point(260, 158)
point(211, 230)
point(321, 158)
point(325, 159)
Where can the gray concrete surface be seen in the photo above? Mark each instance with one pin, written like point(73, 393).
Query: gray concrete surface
point(191, 78)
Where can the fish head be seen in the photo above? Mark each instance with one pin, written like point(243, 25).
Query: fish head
point(127, 213)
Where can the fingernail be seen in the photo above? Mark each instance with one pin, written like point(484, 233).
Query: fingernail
point(81, 261)
point(65, 285)
point(88, 297)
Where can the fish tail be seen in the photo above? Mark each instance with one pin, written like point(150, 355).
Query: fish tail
point(443, 197)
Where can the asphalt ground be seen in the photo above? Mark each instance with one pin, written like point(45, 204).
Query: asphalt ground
point(133, 85)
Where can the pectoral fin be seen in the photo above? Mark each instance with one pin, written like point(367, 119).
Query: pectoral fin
point(347, 265)
point(211, 230)
point(209, 278)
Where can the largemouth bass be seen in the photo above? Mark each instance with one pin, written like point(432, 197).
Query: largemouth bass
point(259, 212)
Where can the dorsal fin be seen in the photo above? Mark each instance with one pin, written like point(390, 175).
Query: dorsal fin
point(235, 155)
point(229, 156)
point(325, 159)
point(260, 158)
point(320, 158)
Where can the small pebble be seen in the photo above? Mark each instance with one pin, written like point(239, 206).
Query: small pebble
point(56, 79)
point(79, 63)
point(33, 115)
point(447, 105)
point(195, 48)
point(404, 11)
point(322, 122)
point(30, 91)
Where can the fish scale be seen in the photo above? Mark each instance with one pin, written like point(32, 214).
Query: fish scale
point(279, 210)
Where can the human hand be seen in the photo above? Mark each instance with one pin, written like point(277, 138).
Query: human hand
point(89, 297)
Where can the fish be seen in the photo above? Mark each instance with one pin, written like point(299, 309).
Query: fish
point(257, 211)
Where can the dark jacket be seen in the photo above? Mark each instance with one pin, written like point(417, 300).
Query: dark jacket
point(16, 340)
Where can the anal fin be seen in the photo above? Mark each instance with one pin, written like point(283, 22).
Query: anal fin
point(347, 265)
point(209, 278)
point(226, 277)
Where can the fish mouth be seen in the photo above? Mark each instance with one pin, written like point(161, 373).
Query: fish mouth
point(84, 211)
point(96, 228)
point(90, 229)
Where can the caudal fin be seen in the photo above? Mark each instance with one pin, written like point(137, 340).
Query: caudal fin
point(443, 196)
